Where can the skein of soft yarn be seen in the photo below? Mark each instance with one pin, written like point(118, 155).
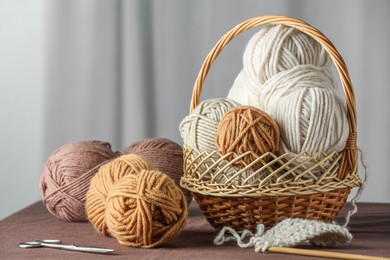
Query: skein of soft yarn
point(244, 129)
point(311, 117)
point(240, 91)
point(279, 48)
point(199, 129)
point(165, 156)
point(270, 51)
point(145, 209)
point(67, 174)
point(101, 184)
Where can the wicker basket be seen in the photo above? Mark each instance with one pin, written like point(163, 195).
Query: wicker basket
point(239, 198)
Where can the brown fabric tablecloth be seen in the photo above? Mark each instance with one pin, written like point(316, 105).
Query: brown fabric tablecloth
point(370, 228)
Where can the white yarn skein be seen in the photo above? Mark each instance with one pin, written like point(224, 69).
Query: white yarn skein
point(281, 48)
point(310, 115)
point(199, 129)
point(240, 92)
point(270, 51)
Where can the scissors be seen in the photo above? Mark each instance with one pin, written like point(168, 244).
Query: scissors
point(54, 243)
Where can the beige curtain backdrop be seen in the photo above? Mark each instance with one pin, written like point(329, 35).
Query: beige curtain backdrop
point(122, 71)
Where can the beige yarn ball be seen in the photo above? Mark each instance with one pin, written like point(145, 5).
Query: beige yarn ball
point(199, 129)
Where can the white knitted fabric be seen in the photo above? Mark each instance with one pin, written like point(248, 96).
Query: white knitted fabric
point(288, 233)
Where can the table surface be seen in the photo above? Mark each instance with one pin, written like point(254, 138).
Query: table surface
point(370, 228)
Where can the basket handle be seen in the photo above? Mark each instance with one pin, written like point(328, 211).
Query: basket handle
point(303, 27)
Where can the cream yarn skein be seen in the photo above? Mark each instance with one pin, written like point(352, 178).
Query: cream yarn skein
point(240, 93)
point(199, 129)
point(270, 51)
point(310, 115)
point(279, 48)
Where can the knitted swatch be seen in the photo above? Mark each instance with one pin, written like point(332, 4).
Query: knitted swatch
point(288, 233)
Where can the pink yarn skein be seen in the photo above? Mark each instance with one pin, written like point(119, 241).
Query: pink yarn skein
point(67, 174)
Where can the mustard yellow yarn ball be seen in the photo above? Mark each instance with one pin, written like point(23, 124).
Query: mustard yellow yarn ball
point(145, 209)
point(101, 184)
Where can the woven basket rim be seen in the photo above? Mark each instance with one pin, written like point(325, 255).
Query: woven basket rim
point(203, 172)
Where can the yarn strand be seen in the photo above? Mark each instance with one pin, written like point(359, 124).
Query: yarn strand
point(360, 190)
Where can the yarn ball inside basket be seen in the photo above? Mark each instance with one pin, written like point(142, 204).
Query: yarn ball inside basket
point(165, 156)
point(272, 50)
point(310, 115)
point(145, 209)
point(66, 177)
point(199, 128)
point(101, 184)
point(279, 48)
point(247, 129)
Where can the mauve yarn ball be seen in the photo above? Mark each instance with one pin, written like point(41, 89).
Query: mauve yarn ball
point(165, 155)
point(67, 174)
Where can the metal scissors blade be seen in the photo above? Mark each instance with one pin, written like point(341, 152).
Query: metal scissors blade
point(52, 243)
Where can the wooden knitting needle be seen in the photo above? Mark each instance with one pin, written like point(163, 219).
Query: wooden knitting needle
point(318, 253)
